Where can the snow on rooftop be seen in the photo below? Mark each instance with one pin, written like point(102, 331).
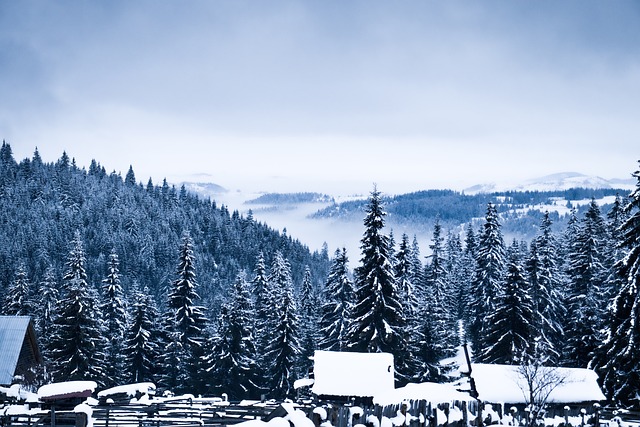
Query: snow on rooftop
point(129, 389)
point(504, 383)
point(431, 392)
point(66, 389)
point(352, 374)
point(303, 382)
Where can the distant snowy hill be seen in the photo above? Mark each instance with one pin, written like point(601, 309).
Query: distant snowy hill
point(317, 218)
point(555, 182)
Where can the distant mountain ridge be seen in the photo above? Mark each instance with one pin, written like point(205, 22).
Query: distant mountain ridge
point(556, 182)
point(339, 222)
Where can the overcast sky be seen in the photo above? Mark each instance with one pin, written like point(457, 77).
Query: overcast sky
point(289, 94)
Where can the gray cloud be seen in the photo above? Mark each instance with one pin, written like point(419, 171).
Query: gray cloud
point(449, 77)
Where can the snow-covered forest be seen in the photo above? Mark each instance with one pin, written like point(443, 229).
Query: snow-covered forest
point(131, 283)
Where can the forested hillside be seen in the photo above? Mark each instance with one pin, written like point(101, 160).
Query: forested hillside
point(520, 211)
point(131, 283)
point(42, 205)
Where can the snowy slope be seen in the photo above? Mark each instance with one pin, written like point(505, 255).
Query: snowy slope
point(555, 182)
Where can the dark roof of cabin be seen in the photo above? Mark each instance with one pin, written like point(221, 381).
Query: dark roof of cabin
point(14, 330)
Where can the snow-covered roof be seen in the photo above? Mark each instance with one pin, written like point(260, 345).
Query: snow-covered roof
point(352, 374)
point(431, 392)
point(67, 389)
point(130, 390)
point(505, 383)
point(14, 330)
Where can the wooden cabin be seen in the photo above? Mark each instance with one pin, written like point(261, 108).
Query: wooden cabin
point(350, 377)
point(19, 351)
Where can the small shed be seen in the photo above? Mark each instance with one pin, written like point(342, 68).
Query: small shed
point(343, 376)
point(19, 351)
point(507, 384)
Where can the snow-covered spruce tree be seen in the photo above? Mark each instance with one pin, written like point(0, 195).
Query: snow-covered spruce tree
point(404, 265)
point(416, 265)
point(113, 312)
point(378, 323)
point(17, 301)
point(140, 346)
point(309, 322)
point(546, 285)
point(436, 329)
point(233, 358)
point(620, 366)
point(510, 325)
point(615, 253)
point(338, 297)
point(465, 270)
point(441, 292)
point(487, 280)
point(587, 274)
point(189, 320)
point(77, 342)
point(283, 350)
point(411, 297)
point(46, 303)
point(263, 307)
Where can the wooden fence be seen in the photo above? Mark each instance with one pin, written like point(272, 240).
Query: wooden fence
point(202, 414)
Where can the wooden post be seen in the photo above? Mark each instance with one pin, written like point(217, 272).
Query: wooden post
point(596, 414)
point(465, 413)
point(53, 416)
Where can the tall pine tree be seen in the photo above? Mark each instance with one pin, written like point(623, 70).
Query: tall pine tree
point(338, 299)
point(620, 365)
point(234, 369)
point(510, 326)
point(141, 339)
point(189, 322)
point(283, 350)
point(486, 285)
point(546, 284)
point(587, 273)
point(113, 312)
point(78, 342)
point(378, 323)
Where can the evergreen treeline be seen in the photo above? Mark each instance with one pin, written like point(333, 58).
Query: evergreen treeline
point(454, 208)
point(107, 267)
point(288, 198)
point(566, 298)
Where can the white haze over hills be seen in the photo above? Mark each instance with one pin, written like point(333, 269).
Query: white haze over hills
point(337, 233)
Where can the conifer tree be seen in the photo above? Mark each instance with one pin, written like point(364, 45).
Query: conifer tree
point(140, 346)
point(189, 320)
point(378, 322)
point(338, 297)
point(404, 275)
point(509, 331)
point(619, 367)
point(284, 346)
point(47, 301)
point(309, 322)
point(78, 342)
point(113, 312)
point(18, 298)
point(487, 280)
point(587, 273)
point(546, 283)
point(416, 265)
point(438, 303)
point(234, 369)
point(264, 301)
